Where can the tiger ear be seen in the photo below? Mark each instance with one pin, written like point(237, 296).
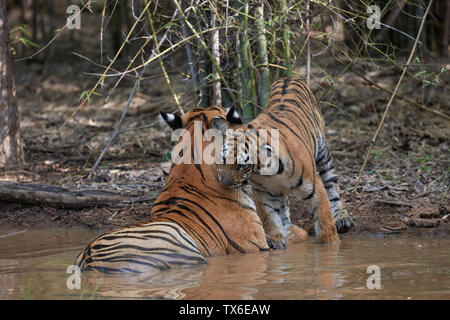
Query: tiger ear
point(172, 120)
point(219, 124)
point(233, 116)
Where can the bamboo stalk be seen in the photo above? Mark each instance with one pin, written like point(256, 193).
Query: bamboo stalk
point(238, 77)
point(215, 51)
point(205, 48)
point(203, 75)
point(101, 31)
point(286, 40)
point(308, 49)
point(372, 142)
point(247, 74)
point(263, 56)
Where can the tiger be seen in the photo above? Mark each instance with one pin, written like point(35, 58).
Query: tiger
point(294, 234)
point(304, 163)
point(193, 218)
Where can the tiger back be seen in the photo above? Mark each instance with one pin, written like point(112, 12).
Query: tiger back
point(304, 163)
point(194, 217)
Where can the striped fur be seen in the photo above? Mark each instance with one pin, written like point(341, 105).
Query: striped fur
point(194, 217)
point(304, 163)
point(155, 245)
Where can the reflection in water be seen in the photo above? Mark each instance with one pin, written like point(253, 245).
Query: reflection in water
point(160, 285)
point(33, 266)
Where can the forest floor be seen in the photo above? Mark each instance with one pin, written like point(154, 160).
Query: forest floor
point(404, 189)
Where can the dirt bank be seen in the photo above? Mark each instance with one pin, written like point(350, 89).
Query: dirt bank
point(404, 188)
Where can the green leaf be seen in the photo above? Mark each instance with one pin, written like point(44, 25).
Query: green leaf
point(419, 74)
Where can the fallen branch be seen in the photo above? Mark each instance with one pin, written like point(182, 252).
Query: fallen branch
point(395, 228)
point(38, 194)
point(424, 223)
point(393, 203)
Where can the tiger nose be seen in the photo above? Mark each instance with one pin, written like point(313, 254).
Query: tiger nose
point(226, 180)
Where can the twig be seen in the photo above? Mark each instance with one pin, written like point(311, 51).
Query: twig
point(142, 199)
point(161, 41)
point(116, 130)
point(154, 57)
point(128, 67)
point(372, 142)
point(161, 62)
point(125, 111)
point(140, 127)
point(390, 20)
point(190, 57)
point(396, 228)
point(101, 79)
point(3, 236)
point(58, 32)
point(415, 104)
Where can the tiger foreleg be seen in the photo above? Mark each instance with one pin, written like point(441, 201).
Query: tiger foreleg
point(284, 212)
point(268, 212)
point(295, 234)
point(343, 221)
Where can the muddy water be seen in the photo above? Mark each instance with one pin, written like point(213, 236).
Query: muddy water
point(33, 265)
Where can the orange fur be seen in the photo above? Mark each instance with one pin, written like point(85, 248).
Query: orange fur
point(303, 152)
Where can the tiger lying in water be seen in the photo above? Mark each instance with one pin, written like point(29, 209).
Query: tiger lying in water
point(304, 163)
point(193, 218)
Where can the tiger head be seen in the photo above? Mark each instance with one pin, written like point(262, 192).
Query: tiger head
point(236, 165)
point(211, 118)
point(208, 116)
point(245, 151)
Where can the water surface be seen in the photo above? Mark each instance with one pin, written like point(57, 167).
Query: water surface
point(33, 265)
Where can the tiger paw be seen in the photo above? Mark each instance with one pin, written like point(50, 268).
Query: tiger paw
point(296, 234)
point(344, 223)
point(277, 242)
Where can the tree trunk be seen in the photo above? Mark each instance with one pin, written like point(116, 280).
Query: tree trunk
point(11, 151)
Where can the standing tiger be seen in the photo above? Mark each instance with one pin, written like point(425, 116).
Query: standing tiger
point(304, 163)
point(194, 217)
